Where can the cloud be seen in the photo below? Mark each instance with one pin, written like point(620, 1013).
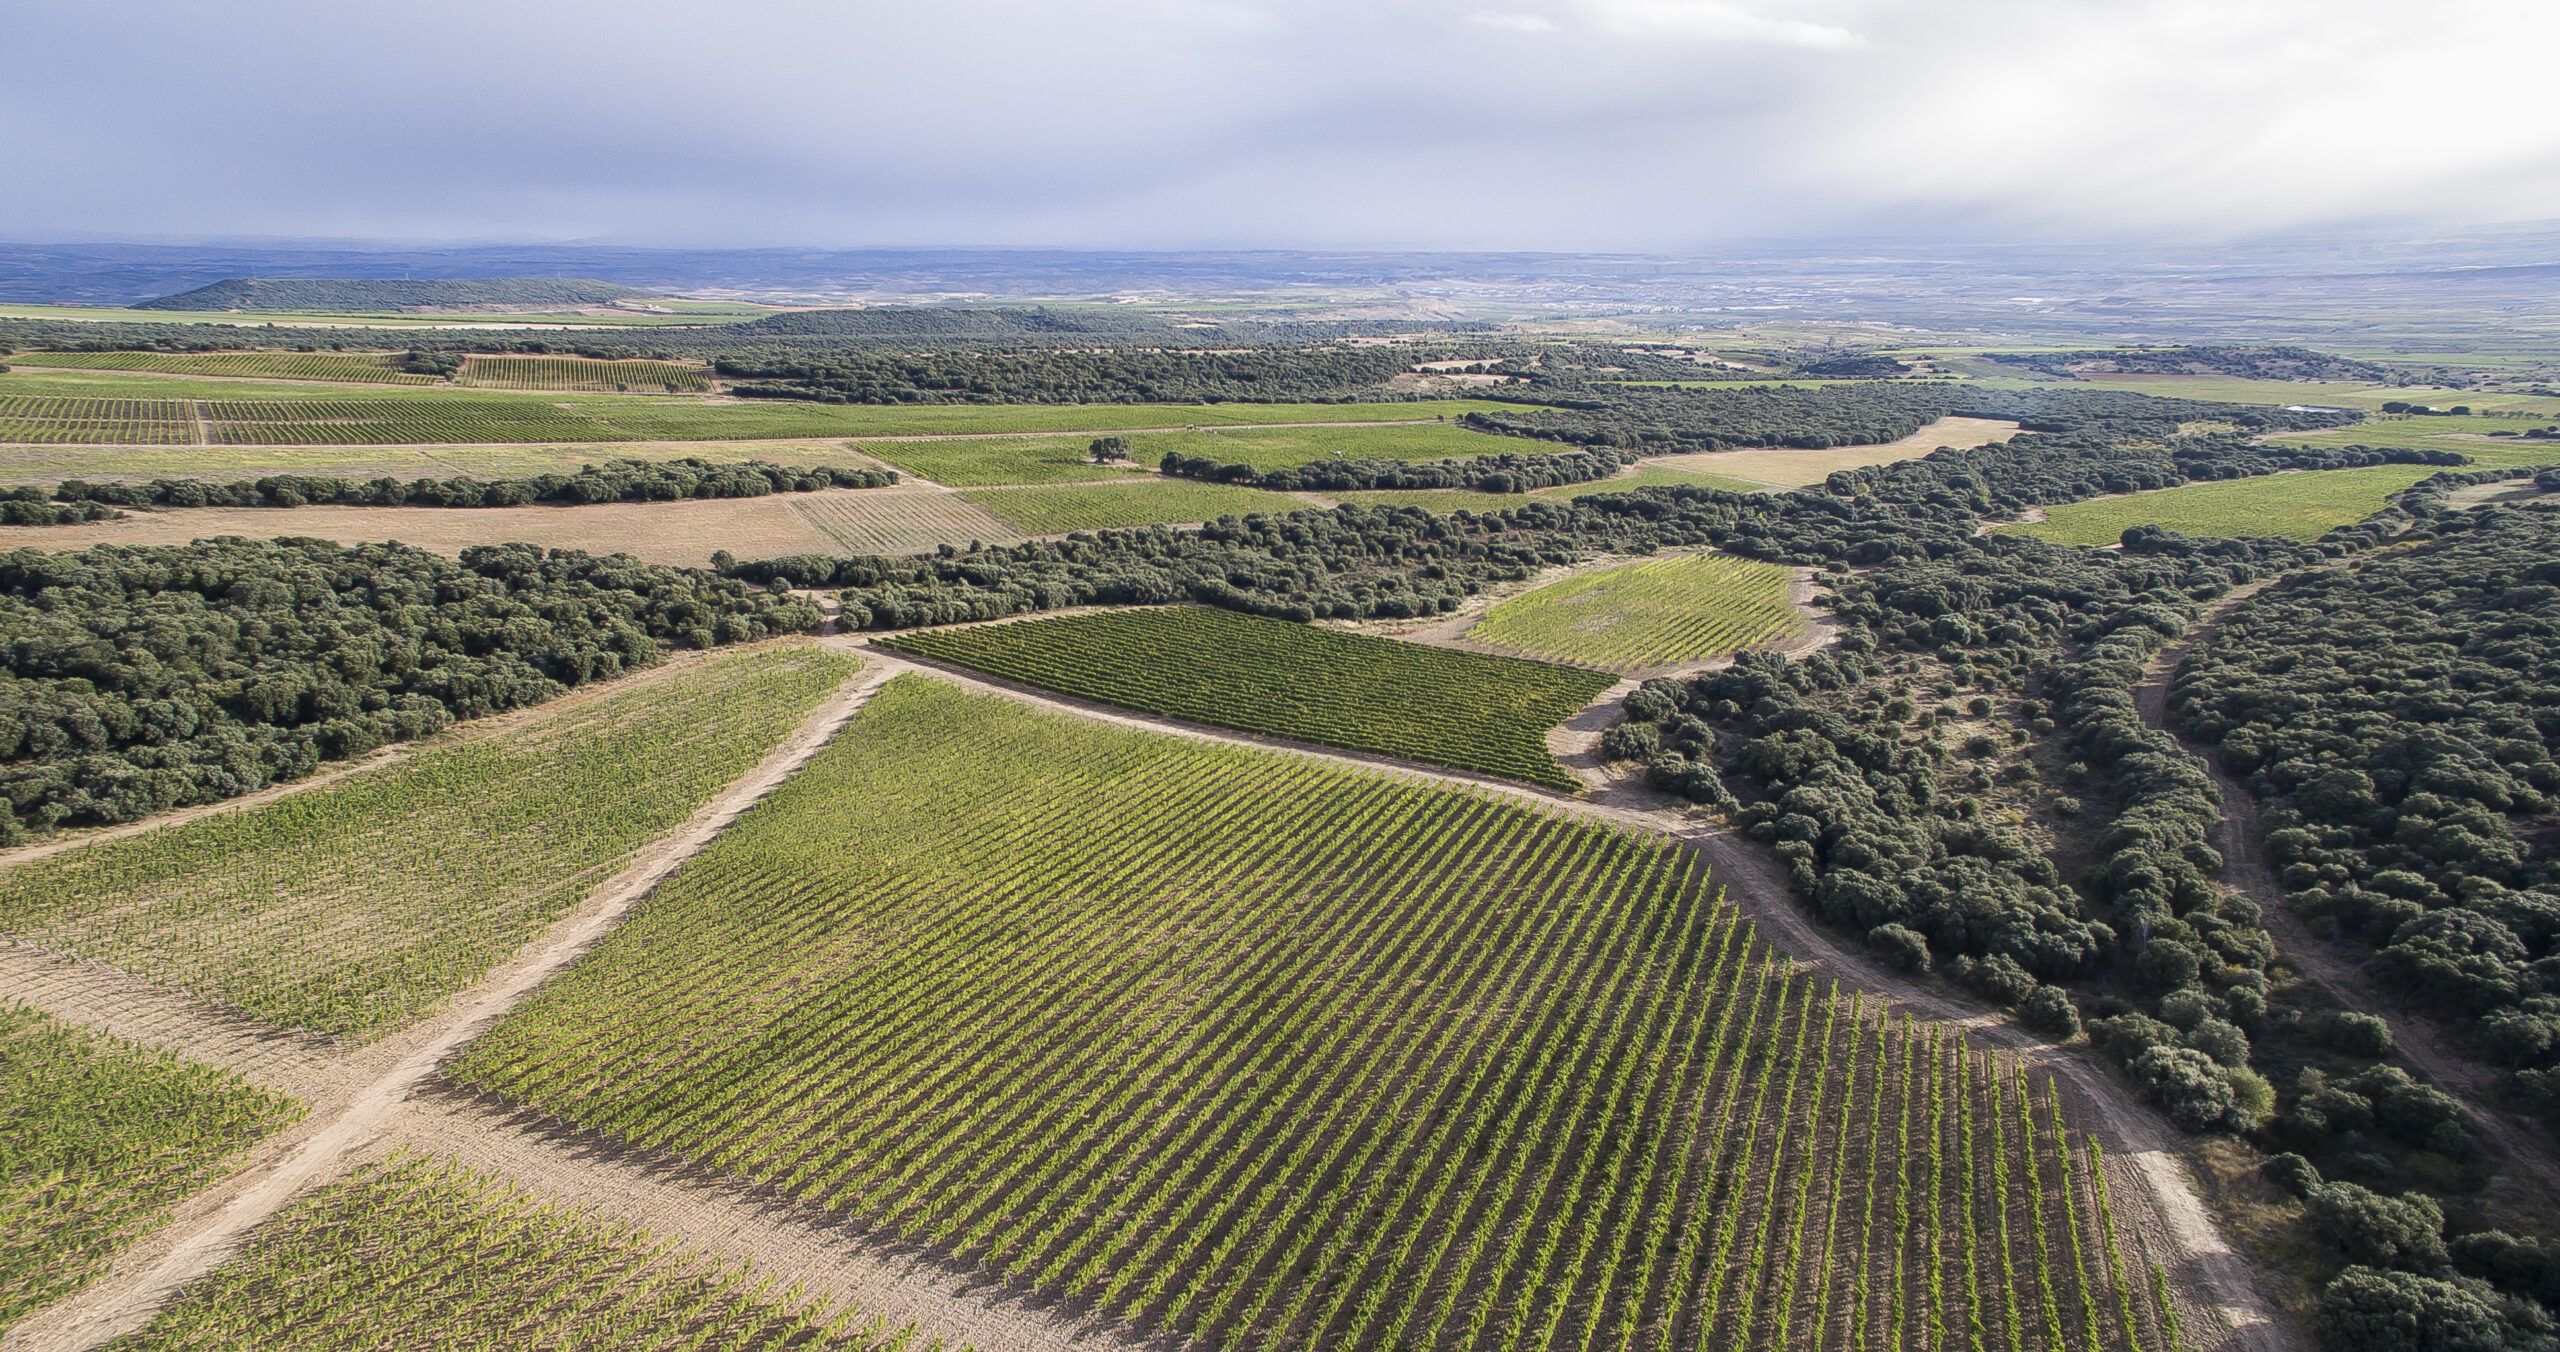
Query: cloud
point(1627, 124)
point(1513, 23)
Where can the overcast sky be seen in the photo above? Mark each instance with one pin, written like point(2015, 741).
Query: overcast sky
point(1499, 124)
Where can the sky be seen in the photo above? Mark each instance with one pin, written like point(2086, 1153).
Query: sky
point(1576, 125)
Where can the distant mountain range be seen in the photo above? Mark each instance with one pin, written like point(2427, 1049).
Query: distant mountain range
point(368, 295)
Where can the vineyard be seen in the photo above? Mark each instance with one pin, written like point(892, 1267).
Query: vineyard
point(1274, 1054)
point(1486, 714)
point(898, 520)
point(382, 422)
point(354, 1266)
point(357, 906)
point(2300, 506)
point(97, 1139)
point(378, 368)
point(460, 417)
point(50, 420)
point(586, 374)
point(970, 462)
point(1145, 502)
point(1652, 614)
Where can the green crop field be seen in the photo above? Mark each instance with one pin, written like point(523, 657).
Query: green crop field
point(379, 368)
point(49, 407)
point(1055, 509)
point(41, 419)
point(1486, 714)
point(97, 1139)
point(2300, 506)
point(582, 373)
point(1277, 1054)
point(416, 1254)
point(356, 906)
point(981, 462)
point(1650, 614)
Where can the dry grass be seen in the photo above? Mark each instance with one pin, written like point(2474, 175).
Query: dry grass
point(1783, 468)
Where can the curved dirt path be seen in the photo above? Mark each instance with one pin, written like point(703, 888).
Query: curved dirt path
point(209, 1227)
point(2247, 869)
point(2157, 1200)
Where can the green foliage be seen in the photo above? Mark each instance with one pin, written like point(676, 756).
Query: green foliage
point(351, 908)
point(609, 481)
point(98, 1138)
point(1487, 714)
point(2395, 714)
point(413, 1253)
point(142, 679)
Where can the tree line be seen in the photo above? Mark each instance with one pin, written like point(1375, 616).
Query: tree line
point(137, 680)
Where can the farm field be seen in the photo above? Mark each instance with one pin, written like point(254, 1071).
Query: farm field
point(1272, 1053)
point(345, 1266)
point(2321, 393)
point(898, 520)
point(1485, 714)
point(582, 374)
point(49, 407)
point(1029, 460)
point(2303, 505)
point(1650, 614)
point(2464, 436)
point(378, 368)
point(1056, 509)
point(354, 907)
point(99, 1138)
point(684, 532)
point(1784, 467)
point(51, 464)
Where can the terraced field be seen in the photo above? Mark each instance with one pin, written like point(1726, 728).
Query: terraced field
point(377, 368)
point(97, 1139)
point(1056, 509)
point(1486, 714)
point(347, 1267)
point(586, 374)
point(354, 907)
point(1652, 614)
point(2300, 506)
point(1277, 1054)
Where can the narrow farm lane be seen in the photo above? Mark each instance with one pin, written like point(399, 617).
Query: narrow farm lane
point(98, 997)
point(209, 1227)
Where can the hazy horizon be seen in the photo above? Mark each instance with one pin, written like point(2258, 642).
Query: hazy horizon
point(1652, 127)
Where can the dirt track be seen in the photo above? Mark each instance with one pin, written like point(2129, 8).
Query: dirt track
point(2246, 869)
